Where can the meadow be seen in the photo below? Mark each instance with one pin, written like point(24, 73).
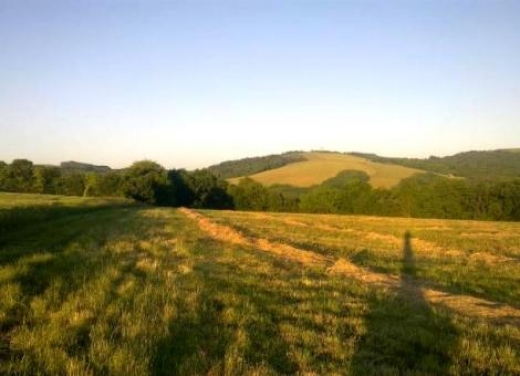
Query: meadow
point(319, 167)
point(110, 287)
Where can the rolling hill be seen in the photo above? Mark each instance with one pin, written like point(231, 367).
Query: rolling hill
point(320, 166)
point(475, 164)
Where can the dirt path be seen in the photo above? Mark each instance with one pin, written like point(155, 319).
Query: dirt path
point(464, 304)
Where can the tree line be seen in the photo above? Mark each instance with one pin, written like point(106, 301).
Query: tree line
point(419, 196)
point(422, 195)
point(471, 164)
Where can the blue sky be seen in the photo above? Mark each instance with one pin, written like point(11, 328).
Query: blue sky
point(193, 83)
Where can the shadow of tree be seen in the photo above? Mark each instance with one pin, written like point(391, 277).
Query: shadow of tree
point(63, 260)
point(404, 334)
point(202, 340)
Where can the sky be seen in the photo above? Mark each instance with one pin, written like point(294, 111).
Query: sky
point(193, 83)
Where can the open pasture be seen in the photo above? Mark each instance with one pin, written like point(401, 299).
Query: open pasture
point(136, 290)
point(319, 167)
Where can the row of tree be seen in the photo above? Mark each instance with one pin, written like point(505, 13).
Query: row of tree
point(144, 181)
point(423, 195)
point(23, 176)
point(420, 196)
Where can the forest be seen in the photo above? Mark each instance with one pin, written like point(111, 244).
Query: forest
point(426, 195)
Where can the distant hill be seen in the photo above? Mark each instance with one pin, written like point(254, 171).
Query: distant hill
point(251, 166)
point(492, 164)
point(78, 167)
point(314, 168)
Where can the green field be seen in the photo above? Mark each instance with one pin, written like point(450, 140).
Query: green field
point(322, 166)
point(122, 289)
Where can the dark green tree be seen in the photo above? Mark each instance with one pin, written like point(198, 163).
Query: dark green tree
point(71, 185)
point(111, 184)
point(147, 181)
point(182, 187)
point(322, 199)
point(248, 194)
point(4, 176)
point(209, 191)
point(46, 179)
point(21, 175)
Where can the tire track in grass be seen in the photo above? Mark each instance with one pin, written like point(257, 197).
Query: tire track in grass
point(463, 304)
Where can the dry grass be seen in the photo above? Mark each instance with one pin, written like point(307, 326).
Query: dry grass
point(464, 304)
point(322, 166)
point(140, 291)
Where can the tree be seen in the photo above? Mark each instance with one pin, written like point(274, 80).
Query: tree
point(321, 200)
point(146, 181)
point(46, 179)
point(4, 176)
point(182, 187)
point(21, 175)
point(108, 185)
point(71, 185)
point(209, 191)
point(249, 195)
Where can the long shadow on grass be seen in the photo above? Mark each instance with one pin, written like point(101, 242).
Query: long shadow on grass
point(403, 333)
point(66, 259)
point(26, 229)
point(202, 340)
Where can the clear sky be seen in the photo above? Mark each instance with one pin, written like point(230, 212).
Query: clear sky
point(193, 83)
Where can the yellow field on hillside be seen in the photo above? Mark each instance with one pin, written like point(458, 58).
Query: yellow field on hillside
point(322, 166)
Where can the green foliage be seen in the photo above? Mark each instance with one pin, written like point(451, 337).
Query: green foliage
point(421, 195)
point(322, 199)
point(208, 191)
point(251, 195)
point(250, 166)
point(182, 187)
point(472, 164)
point(147, 181)
point(46, 179)
point(347, 177)
point(71, 185)
point(110, 184)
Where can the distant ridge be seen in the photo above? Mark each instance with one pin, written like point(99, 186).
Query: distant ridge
point(250, 166)
point(475, 164)
point(79, 167)
point(303, 169)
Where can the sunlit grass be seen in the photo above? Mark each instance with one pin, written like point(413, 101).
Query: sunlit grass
point(137, 291)
point(377, 243)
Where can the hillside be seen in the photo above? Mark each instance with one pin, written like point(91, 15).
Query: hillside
point(72, 167)
point(320, 166)
point(489, 164)
point(254, 165)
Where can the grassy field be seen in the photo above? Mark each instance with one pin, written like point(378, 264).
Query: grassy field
point(126, 289)
point(322, 166)
point(18, 210)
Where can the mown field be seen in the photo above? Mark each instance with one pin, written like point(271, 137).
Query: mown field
point(127, 289)
point(322, 166)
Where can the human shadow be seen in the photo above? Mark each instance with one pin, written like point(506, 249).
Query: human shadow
point(403, 333)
